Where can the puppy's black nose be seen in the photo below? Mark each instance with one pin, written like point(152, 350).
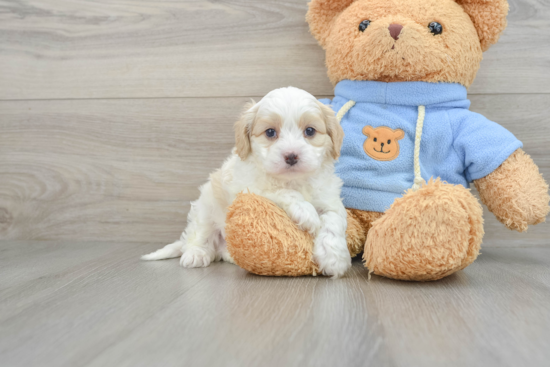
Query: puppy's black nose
point(395, 30)
point(291, 159)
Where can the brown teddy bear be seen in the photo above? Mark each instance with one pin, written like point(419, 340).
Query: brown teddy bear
point(411, 146)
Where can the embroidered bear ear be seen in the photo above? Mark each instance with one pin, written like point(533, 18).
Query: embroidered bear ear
point(489, 18)
point(321, 16)
point(368, 130)
point(398, 134)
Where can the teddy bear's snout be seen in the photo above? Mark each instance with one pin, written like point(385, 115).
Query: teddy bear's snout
point(395, 30)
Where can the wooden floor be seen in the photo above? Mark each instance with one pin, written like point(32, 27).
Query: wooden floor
point(96, 304)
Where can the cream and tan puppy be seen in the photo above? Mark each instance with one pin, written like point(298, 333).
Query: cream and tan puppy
point(286, 145)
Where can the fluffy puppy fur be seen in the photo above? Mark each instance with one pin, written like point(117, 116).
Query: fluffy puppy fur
point(286, 145)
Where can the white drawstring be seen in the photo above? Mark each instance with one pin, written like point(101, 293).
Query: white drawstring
point(345, 108)
point(418, 180)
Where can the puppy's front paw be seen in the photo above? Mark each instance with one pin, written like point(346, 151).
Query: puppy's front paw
point(195, 257)
point(305, 216)
point(331, 255)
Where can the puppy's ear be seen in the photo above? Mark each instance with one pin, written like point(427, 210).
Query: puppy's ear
point(489, 18)
point(321, 16)
point(243, 127)
point(334, 130)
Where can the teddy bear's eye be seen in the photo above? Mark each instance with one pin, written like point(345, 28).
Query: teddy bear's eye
point(389, 142)
point(363, 25)
point(375, 140)
point(436, 28)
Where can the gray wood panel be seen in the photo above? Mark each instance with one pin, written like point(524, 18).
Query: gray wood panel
point(120, 49)
point(126, 170)
point(106, 308)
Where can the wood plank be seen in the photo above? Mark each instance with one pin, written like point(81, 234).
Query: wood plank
point(126, 170)
point(106, 308)
point(268, 322)
point(118, 164)
point(490, 314)
point(121, 49)
point(84, 304)
point(47, 260)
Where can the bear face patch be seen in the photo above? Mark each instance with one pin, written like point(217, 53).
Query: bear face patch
point(382, 142)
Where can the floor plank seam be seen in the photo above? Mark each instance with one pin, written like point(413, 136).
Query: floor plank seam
point(127, 333)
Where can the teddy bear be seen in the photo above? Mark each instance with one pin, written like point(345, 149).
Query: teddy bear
point(412, 147)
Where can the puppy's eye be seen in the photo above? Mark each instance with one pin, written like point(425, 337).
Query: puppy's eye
point(389, 142)
point(310, 131)
point(435, 28)
point(375, 140)
point(271, 133)
point(363, 25)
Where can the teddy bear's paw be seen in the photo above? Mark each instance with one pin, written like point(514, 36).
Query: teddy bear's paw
point(305, 216)
point(262, 239)
point(195, 257)
point(331, 254)
point(516, 193)
point(427, 234)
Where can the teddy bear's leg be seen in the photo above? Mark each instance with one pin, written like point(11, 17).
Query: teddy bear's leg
point(262, 239)
point(427, 234)
point(359, 223)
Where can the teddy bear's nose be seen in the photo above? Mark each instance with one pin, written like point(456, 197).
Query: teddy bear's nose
point(395, 30)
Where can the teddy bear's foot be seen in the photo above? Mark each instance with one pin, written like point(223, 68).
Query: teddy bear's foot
point(427, 234)
point(262, 239)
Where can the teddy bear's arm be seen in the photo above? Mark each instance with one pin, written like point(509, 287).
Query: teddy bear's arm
point(516, 193)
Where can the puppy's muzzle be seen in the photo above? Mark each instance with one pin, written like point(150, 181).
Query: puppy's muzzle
point(291, 159)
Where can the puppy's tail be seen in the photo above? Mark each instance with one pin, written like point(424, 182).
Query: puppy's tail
point(167, 252)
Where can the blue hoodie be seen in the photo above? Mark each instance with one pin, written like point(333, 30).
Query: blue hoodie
point(457, 145)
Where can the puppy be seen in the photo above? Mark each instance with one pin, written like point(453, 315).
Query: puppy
point(286, 145)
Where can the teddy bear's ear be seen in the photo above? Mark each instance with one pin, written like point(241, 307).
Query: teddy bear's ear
point(321, 15)
point(489, 18)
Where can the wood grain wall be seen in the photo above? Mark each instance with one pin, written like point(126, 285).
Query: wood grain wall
point(112, 113)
